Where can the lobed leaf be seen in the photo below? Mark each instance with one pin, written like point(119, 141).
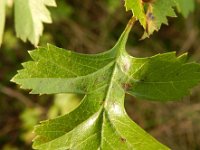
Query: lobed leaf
point(152, 14)
point(157, 13)
point(137, 8)
point(29, 18)
point(100, 121)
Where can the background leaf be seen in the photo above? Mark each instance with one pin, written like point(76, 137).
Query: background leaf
point(2, 18)
point(136, 6)
point(153, 14)
point(30, 26)
point(157, 13)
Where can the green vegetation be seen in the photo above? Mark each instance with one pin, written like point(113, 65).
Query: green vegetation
point(100, 81)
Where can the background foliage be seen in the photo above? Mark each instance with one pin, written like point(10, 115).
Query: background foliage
point(91, 27)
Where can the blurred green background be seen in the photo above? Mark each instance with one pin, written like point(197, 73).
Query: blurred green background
point(91, 27)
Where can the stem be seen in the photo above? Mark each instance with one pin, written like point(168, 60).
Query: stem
point(124, 36)
point(127, 30)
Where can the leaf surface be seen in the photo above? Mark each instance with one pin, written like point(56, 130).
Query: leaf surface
point(162, 77)
point(2, 18)
point(100, 121)
point(154, 13)
point(157, 13)
point(29, 18)
point(136, 6)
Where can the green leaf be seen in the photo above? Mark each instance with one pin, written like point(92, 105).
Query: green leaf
point(185, 6)
point(162, 77)
point(157, 13)
point(2, 18)
point(136, 6)
point(34, 12)
point(153, 14)
point(100, 121)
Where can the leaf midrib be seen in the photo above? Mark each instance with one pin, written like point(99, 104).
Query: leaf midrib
point(119, 52)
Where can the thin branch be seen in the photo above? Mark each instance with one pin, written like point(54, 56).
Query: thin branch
point(15, 94)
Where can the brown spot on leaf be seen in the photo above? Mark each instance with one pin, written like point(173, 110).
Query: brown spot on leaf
point(126, 67)
point(122, 139)
point(150, 16)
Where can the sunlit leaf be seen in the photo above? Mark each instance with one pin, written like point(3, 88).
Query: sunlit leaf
point(153, 13)
point(29, 18)
point(137, 8)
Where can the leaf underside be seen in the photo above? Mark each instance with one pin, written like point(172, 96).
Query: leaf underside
point(153, 14)
point(29, 18)
point(100, 121)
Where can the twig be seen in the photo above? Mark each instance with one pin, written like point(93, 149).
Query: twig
point(12, 93)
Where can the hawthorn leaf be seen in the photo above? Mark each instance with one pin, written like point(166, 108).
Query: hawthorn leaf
point(137, 8)
point(157, 13)
point(100, 121)
point(29, 18)
point(2, 18)
point(152, 14)
point(185, 6)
